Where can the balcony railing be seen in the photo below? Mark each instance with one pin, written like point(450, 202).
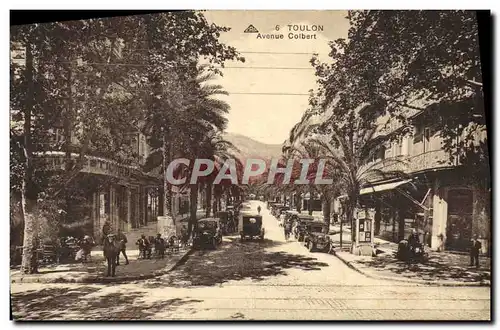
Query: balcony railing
point(411, 164)
point(95, 165)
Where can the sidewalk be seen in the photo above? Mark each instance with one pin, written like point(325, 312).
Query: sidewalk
point(441, 268)
point(151, 229)
point(95, 271)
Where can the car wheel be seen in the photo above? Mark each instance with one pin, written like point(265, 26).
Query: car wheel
point(326, 249)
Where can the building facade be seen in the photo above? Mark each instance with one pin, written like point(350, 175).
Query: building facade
point(437, 195)
point(111, 191)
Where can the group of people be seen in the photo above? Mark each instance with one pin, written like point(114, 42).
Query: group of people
point(146, 246)
point(474, 250)
point(120, 238)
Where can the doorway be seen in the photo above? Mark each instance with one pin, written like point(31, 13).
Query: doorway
point(459, 226)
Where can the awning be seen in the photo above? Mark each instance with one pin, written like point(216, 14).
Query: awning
point(382, 187)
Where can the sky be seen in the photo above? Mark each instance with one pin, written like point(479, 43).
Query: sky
point(269, 118)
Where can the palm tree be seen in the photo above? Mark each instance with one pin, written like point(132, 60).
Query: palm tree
point(350, 154)
point(190, 116)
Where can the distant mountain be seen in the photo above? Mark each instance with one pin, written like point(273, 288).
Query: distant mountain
point(249, 148)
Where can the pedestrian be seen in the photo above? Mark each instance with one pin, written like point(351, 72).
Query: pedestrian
point(258, 209)
point(86, 247)
point(159, 246)
point(106, 230)
point(474, 252)
point(287, 228)
point(143, 246)
point(122, 240)
point(413, 239)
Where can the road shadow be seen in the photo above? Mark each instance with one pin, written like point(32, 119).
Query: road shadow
point(236, 260)
point(437, 267)
point(87, 303)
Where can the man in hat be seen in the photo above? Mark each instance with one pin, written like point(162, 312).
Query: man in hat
point(159, 246)
point(474, 251)
point(413, 239)
point(122, 239)
point(106, 230)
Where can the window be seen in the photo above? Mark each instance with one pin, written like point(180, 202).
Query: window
point(406, 145)
point(381, 152)
point(427, 136)
point(396, 148)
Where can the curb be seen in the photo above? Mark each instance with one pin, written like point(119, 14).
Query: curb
point(96, 279)
point(398, 279)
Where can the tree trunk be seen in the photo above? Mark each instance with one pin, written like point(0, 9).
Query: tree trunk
point(193, 207)
point(221, 196)
point(68, 164)
point(310, 204)
point(209, 200)
point(167, 187)
point(29, 264)
point(299, 202)
point(214, 205)
point(326, 209)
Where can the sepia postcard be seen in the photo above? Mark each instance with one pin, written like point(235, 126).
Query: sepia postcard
point(250, 165)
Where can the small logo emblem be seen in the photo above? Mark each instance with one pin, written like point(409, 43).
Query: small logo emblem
point(251, 29)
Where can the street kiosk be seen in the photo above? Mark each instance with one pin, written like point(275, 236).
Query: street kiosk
point(364, 245)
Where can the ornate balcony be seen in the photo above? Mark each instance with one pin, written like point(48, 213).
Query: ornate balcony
point(429, 160)
point(55, 161)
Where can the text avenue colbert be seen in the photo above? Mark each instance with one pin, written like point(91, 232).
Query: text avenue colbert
point(293, 32)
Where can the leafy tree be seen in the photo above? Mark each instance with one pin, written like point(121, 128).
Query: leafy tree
point(49, 90)
point(171, 69)
point(407, 60)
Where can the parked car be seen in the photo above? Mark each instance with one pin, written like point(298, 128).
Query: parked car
point(316, 236)
point(280, 209)
point(406, 253)
point(300, 229)
point(270, 204)
point(226, 222)
point(250, 226)
point(208, 233)
point(275, 207)
point(285, 216)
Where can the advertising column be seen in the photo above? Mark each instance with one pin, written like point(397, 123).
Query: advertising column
point(363, 244)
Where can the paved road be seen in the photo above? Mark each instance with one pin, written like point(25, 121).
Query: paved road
point(272, 279)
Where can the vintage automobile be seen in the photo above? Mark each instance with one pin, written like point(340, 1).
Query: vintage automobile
point(270, 204)
point(208, 233)
point(289, 214)
point(226, 222)
point(301, 221)
point(286, 216)
point(250, 226)
point(316, 236)
point(278, 209)
point(274, 208)
point(245, 207)
point(416, 254)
